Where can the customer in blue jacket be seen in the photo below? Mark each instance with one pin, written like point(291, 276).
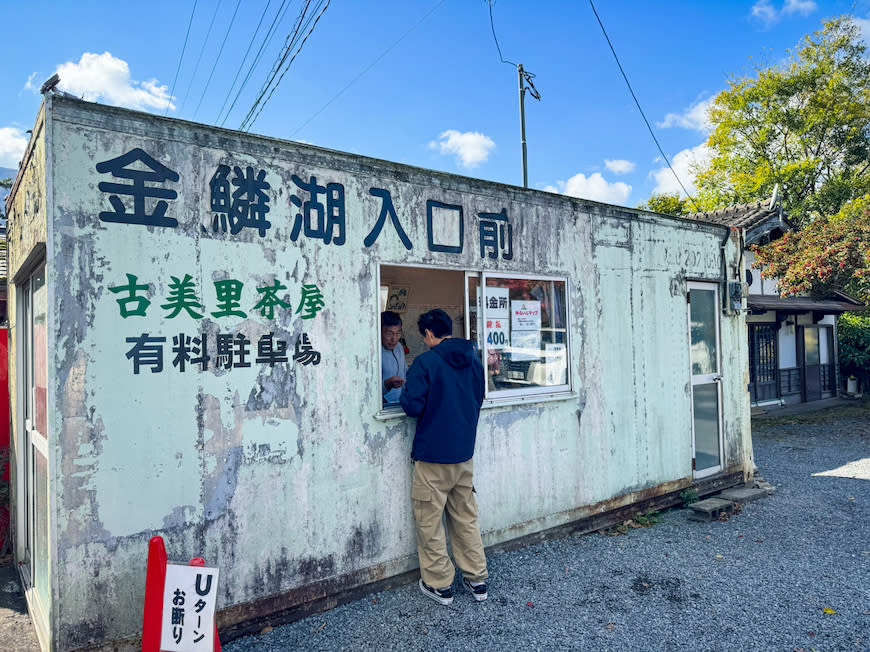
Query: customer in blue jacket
point(444, 390)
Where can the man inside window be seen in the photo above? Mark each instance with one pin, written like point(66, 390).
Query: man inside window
point(393, 366)
point(445, 391)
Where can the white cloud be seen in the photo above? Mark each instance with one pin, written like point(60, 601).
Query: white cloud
point(594, 187)
point(619, 166)
point(31, 84)
point(105, 78)
point(684, 164)
point(695, 117)
point(471, 147)
point(13, 142)
point(864, 25)
point(767, 13)
point(764, 11)
point(802, 7)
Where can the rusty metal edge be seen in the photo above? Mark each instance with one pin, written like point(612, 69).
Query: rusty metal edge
point(240, 620)
point(251, 618)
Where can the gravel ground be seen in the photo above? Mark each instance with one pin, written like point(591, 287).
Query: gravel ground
point(789, 572)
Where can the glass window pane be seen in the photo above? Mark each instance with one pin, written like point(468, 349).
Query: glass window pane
point(474, 313)
point(40, 354)
point(811, 345)
point(702, 314)
point(705, 410)
point(525, 333)
point(40, 527)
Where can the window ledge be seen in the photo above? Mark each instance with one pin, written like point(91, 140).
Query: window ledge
point(391, 415)
point(525, 400)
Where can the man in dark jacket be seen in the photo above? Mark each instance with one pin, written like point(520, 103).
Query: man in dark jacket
point(444, 390)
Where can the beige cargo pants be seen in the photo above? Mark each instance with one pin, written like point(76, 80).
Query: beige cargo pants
point(446, 489)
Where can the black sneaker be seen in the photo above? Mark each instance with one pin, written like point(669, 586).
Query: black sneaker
point(478, 589)
point(444, 596)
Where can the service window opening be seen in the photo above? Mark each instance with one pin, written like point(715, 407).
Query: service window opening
point(409, 292)
point(519, 325)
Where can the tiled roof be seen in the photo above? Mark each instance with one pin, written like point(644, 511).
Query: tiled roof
point(836, 303)
point(745, 216)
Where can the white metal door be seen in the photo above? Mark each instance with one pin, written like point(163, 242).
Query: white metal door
point(32, 451)
point(706, 378)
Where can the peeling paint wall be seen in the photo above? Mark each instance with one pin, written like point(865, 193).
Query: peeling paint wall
point(282, 475)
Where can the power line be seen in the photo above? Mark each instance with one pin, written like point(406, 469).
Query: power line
point(289, 41)
point(367, 68)
point(260, 102)
point(287, 67)
point(201, 51)
point(218, 57)
point(643, 115)
point(181, 58)
point(279, 16)
point(494, 37)
point(244, 58)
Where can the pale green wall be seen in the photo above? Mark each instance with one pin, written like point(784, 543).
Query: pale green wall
point(283, 476)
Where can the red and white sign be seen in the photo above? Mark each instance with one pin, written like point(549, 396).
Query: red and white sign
point(525, 315)
point(188, 608)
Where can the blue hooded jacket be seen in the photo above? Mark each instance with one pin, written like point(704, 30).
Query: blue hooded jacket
point(444, 390)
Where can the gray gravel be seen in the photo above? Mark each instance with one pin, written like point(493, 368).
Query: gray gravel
point(761, 580)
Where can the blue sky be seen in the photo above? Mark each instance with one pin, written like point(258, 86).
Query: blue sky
point(440, 97)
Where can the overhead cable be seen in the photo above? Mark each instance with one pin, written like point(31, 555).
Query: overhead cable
point(181, 58)
point(244, 58)
point(494, 37)
point(367, 68)
point(218, 57)
point(283, 67)
point(642, 114)
point(279, 16)
point(289, 41)
point(201, 51)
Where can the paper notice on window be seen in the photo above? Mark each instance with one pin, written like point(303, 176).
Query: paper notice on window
point(556, 364)
point(526, 315)
point(497, 336)
point(525, 345)
point(497, 303)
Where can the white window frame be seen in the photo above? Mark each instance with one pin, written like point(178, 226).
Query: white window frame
point(511, 395)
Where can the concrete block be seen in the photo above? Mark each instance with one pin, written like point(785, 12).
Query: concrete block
point(709, 509)
point(743, 494)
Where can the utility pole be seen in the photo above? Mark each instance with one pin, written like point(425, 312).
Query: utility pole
point(523, 125)
point(525, 78)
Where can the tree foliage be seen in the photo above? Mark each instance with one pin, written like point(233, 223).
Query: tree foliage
point(667, 203)
point(827, 254)
point(853, 338)
point(5, 184)
point(804, 125)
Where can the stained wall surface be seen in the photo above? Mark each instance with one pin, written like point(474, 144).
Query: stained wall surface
point(274, 464)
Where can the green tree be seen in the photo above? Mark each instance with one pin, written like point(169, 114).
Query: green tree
point(853, 337)
point(5, 184)
point(803, 124)
point(827, 254)
point(667, 203)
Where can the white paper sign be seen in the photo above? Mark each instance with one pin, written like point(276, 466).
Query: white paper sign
point(525, 345)
point(556, 364)
point(526, 315)
point(497, 335)
point(189, 598)
point(497, 303)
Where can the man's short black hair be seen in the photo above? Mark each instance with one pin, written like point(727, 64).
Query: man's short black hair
point(390, 318)
point(437, 321)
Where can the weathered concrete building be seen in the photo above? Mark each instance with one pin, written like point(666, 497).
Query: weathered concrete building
point(195, 333)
